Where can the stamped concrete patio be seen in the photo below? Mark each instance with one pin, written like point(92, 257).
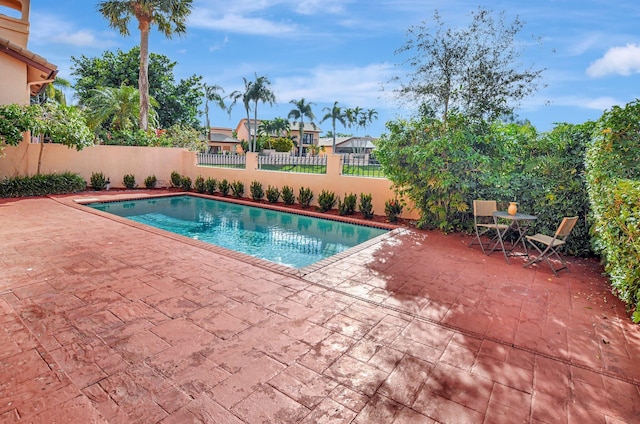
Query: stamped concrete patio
point(106, 321)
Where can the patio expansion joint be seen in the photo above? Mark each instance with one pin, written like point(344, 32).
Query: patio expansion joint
point(479, 336)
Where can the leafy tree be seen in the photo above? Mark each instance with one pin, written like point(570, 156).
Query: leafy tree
point(119, 108)
point(302, 110)
point(334, 113)
point(178, 102)
point(472, 70)
point(276, 127)
point(168, 15)
point(211, 93)
point(61, 124)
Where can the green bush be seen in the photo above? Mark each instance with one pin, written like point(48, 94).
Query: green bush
point(348, 205)
point(224, 187)
point(273, 194)
point(366, 205)
point(150, 181)
point(305, 195)
point(98, 181)
point(129, 181)
point(392, 209)
point(237, 188)
point(613, 180)
point(199, 184)
point(42, 184)
point(282, 144)
point(257, 192)
point(326, 201)
point(176, 179)
point(210, 185)
point(185, 184)
point(287, 195)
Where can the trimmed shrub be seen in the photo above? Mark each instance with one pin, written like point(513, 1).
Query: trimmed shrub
point(237, 188)
point(273, 194)
point(150, 181)
point(224, 187)
point(185, 184)
point(199, 184)
point(305, 195)
point(366, 205)
point(393, 209)
point(176, 179)
point(257, 192)
point(326, 201)
point(348, 206)
point(129, 181)
point(98, 181)
point(210, 185)
point(287, 195)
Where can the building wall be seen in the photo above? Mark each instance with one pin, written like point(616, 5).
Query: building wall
point(117, 161)
point(13, 82)
point(14, 21)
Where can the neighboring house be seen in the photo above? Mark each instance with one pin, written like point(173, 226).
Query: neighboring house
point(346, 145)
point(24, 73)
point(221, 140)
point(311, 134)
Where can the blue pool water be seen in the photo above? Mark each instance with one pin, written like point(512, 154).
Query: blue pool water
point(288, 239)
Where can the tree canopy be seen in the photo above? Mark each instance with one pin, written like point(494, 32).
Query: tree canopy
point(169, 16)
point(474, 71)
point(177, 102)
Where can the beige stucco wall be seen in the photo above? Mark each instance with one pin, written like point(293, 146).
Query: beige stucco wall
point(15, 29)
point(13, 81)
point(117, 161)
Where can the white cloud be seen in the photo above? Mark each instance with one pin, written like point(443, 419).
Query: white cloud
point(617, 60)
point(238, 24)
point(47, 29)
point(355, 86)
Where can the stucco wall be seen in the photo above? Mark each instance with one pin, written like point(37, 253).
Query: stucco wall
point(13, 81)
point(117, 161)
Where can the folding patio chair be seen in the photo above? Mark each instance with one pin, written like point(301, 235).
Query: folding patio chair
point(485, 224)
point(552, 244)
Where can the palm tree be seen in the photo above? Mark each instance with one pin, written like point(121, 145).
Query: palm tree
point(281, 127)
point(118, 107)
point(335, 114)
point(168, 15)
point(298, 114)
point(260, 91)
point(211, 94)
point(367, 117)
point(246, 99)
point(353, 116)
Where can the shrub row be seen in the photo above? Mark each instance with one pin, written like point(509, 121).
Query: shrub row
point(41, 185)
point(327, 200)
point(100, 182)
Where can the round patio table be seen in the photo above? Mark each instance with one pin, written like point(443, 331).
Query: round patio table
point(520, 223)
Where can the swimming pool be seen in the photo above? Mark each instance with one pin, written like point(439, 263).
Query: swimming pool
point(288, 239)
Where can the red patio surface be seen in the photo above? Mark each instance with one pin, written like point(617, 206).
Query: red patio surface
point(103, 321)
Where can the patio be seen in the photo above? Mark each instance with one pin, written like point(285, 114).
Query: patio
point(104, 321)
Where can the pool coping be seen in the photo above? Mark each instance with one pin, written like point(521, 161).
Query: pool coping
point(81, 203)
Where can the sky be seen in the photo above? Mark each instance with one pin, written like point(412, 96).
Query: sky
point(345, 51)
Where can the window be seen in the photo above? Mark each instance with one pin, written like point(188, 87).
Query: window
point(307, 138)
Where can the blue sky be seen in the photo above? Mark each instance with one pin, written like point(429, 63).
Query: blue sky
point(344, 50)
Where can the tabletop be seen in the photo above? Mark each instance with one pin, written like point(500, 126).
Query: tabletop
point(517, 217)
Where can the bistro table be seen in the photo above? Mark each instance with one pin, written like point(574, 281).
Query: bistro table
point(519, 225)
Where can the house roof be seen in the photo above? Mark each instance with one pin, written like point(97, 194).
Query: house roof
point(38, 68)
point(348, 142)
point(216, 137)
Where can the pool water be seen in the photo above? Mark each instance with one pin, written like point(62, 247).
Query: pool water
point(283, 238)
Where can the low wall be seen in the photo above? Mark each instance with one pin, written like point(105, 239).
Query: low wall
point(116, 161)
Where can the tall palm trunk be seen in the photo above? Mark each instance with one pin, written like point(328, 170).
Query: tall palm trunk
point(143, 77)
